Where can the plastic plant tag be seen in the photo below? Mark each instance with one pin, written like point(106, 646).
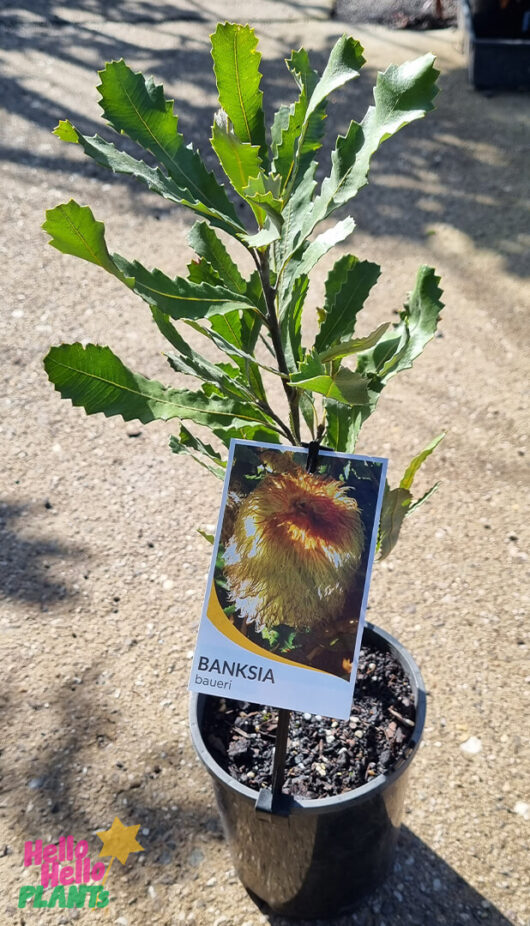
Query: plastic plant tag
point(288, 585)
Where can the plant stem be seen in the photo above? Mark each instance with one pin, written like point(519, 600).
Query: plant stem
point(262, 263)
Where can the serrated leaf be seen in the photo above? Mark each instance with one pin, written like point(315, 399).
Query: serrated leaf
point(74, 230)
point(304, 133)
point(291, 323)
point(256, 432)
point(107, 155)
point(239, 160)
point(343, 386)
point(305, 129)
point(188, 442)
point(96, 379)
point(342, 426)
point(209, 246)
point(266, 235)
point(307, 407)
point(66, 131)
point(393, 512)
point(307, 256)
point(262, 191)
point(200, 271)
point(209, 537)
point(181, 298)
point(236, 65)
point(136, 106)
point(344, 63)
point(399, 347)
point(424, 498)
point(226, 345)
point(355, 346)
point(294, 216)
point(191, 363)
point(402, 94)
point(414, 465)
point(347, 287)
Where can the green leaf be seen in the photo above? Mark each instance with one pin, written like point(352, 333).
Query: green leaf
point(239, 160)
point(343, 386)
point(136, 106)
point(226, 345)
point(308, 254)
point(397, 350)
point(94, 378)
point(420, 501)
point(74, 230)
point(347, 286)
point(266, 235)
point(355, 346)
point(399, 503)
point(208, 245)
point(263, 191)
point(307, 407)
point(209, 537)
point(291, 323)
point(344, 63)
point(179, 297)
point(188, 443)
point(107, 155)
point(256, 432)
point(294, 216)
point(304, 132)
point(200, 271)
point(393, 512)
point(414, 465)
point(402, 94)
point(236, 65)
point(191, 363)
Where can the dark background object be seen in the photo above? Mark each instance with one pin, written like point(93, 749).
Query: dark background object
point(497, 43)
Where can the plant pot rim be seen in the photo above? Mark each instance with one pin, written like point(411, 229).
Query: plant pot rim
point(364, 792)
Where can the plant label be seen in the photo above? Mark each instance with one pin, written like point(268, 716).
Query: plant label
point(288, 585)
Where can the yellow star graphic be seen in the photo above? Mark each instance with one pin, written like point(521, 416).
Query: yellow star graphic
point(119, 841)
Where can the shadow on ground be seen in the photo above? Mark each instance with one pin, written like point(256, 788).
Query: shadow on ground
point(458, 168)
point(27, 565)
point(422, 891)
point(89, 770)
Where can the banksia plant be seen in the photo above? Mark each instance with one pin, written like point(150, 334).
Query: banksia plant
point(331, 386)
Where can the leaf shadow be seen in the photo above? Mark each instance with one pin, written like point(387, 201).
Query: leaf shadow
point(25, 561)
point(448, 170)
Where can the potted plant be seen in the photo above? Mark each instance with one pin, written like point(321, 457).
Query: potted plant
point(330, 388)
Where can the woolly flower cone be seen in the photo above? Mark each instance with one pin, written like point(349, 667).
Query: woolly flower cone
point(295, 550)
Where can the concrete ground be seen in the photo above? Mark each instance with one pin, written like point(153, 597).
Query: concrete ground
point(102, 571)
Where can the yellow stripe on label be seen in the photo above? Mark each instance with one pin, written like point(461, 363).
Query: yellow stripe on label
point(219, 619)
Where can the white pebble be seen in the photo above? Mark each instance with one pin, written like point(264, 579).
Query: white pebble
point(522, 809)
point(151, 891)
point(167, 585)
point(472, 746)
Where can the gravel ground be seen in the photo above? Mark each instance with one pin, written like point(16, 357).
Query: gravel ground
point(102, 569)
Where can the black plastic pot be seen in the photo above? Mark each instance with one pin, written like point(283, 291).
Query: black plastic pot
point(323, 857)
point(497, 46)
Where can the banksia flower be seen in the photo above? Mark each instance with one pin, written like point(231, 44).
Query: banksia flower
point(295, 549)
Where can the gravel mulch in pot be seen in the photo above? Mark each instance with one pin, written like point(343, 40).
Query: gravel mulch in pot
point(325, 757)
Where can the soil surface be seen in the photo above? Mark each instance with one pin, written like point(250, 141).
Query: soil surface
point(102, 572)
point(325, 757)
